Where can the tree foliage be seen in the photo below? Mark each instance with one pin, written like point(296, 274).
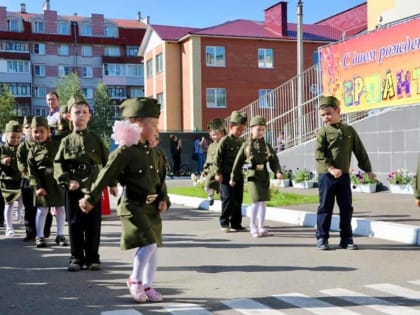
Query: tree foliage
point(104, 113)
point(68, 86)
point(7, 106)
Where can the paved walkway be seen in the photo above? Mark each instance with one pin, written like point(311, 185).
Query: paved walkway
point(382, 214)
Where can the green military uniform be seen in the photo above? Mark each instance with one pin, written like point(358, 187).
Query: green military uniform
point(255, 154)
point(417, 191)
point(141, 171)
point(79, 157)
point(10, 176)
point(41, 169)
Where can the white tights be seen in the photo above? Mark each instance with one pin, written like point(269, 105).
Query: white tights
point(257, 216)
point(8, 211)
point(144, 265)
point(41, 215)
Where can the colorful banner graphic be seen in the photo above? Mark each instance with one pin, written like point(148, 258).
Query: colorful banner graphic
point(378, 69)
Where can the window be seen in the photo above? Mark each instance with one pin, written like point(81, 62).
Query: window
point(39, 49)
point(87, 72)
point(112, 69)
point(132, 51)
point(63, 27)
point(161, 101)
point(85, 29)
point(136, 92)
point(265, 58)
point(149, 68)
point(159, 63)
point(110, 30)
point(39, 70)
point(63, 49)
point(116, 92)
point(40, 92)
point(112, 51)
point(18, 66)
point(63, 71)
point(215, 56)
point(38, 26)
point(134, 70)
point(265, 98)
point(19, 89)
point(13, 25)
point(216, 97)
point(14, 46)
point(41, 111)
point(87, 51)
point(88, 92)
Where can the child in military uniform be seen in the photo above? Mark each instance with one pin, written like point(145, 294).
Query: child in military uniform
point(255, 153)
point(217, 130)
point(417, 188)
point(41, 176)
point(76, 167)
point(10, 176)
point(231, 197)
point(334, 145)
point(26, 189)
point(139, 168)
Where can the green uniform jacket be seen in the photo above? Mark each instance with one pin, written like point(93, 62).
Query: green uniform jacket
point(417, 191)
point(10, 176)
point(226, 152)
point(141, 171)
point(41, 173)
point(209, 167)
point(22, 157)
point(255, 154)
point(78, 157)
point(334, 145)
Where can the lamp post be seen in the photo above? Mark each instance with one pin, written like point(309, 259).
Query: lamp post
point(299, 38)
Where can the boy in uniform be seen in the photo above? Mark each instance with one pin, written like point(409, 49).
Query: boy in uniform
point(76, 166)
point(334, 145)
point(10, 176)
point(231, 217)
point(140, 169)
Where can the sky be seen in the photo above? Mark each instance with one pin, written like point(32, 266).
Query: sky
point(191, 13)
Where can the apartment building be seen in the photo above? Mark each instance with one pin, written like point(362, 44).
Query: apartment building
point(36, 49)
point(200, 74)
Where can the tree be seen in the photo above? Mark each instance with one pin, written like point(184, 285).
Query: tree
point(67, 86)
point(104, 114)
point(7, 106)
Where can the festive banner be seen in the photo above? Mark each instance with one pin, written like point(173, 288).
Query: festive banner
point(378, 69)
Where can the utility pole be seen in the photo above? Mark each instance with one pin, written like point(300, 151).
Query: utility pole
point(299, 38)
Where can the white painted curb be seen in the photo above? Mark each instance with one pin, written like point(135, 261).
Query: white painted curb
point(402, 233)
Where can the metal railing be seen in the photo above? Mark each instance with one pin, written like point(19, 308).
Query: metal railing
point(297, 123)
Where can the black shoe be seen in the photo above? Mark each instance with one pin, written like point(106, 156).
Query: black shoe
point(94, 266)
point(348, 245)
point(74, 265)
point(238, 229)
point(322, 244)
point(40, 242)
point(211, 201)
point(61, 240)
point(29, 238)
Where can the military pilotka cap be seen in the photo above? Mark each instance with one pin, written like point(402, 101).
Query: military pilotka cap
point(257, 121)
point(75, 99)
point(39, 121)
point(27, 120)
point(329, 101)
point(143, 107)
point(238, 118)
point(13, 126)
point(216, 124)
point(63, 109)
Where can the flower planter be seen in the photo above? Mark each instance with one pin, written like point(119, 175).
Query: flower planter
point(277, 183)
point(401, 189)
point(304, 184)
point(365, 188)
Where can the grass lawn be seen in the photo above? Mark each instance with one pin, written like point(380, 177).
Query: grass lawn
point(278, 199)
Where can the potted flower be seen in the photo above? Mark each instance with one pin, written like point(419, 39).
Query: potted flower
point(303, 178)
point(401, 182)
point(275, 184)
point(362, 183)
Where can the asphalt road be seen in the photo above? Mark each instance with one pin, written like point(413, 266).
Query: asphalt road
point(202, 270)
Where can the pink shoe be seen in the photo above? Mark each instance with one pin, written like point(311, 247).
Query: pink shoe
point(264, 233)
point(153, 295)
point(255, 234)
point(137, 291)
